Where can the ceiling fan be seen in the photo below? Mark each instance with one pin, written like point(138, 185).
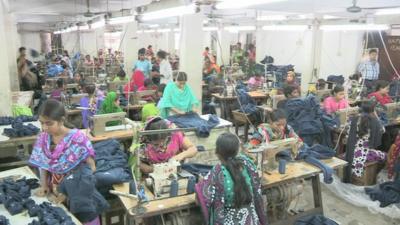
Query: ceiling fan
point(89, 13)
point(356, 9)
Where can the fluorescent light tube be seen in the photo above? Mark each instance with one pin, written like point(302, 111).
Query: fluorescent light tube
point(210, 28)
point(154, 25)
point(149, 31)
point(98, 24)
point(166, 30)
point(351, 27)
point(235, 4)
point(121, 20)
point(392, 11)
point(170, 12)
point(272, 18)
point(239, 28)
point(285, 27)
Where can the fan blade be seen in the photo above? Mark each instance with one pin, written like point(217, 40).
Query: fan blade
point(383, 7)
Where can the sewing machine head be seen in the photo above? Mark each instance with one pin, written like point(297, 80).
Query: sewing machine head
point(115, 86)
point(74, 99)
point(98, 122)
point(136, 97)
point(346, 113)
point(269, 161)
point(393, 110)
point(161, 180)
point(322, 94)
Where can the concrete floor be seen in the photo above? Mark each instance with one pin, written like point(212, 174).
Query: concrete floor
point(348, 214)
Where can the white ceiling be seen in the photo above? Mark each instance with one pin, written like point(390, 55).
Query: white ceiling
point(46, 14)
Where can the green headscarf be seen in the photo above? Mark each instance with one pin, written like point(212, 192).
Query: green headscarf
point(174, 97)
point(109, 106)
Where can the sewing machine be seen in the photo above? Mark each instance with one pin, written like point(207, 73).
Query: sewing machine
point(74, 99)
point(266, 153)
point(276, 99)
point(161, 180)
point(323, 93)
point(114, 86)
point(393, 110)
point(346, 113)
point(98, 122)
point(136, 97)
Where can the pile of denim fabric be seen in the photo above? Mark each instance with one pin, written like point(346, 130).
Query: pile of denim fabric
point(386, 193)
point(314, 154)
point(309, 121)
point(4, 220)
point(189, 120)
point(111, 165)
point(7, 120)
point(15, 196)
point(18, 129)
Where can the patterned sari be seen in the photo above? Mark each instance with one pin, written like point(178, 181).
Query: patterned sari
point(215, 195)
point(73, 149)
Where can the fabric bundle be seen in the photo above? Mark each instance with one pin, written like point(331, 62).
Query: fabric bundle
point(386, 193)
point(14, 195)
point(308, 120)
point(312, 155)
point(315, 220)
point(49, 214)
point(7, 120)
point(20, 130)
point(111, 164)
point(189, 120)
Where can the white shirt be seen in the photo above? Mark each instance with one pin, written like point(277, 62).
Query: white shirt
point(166, 71)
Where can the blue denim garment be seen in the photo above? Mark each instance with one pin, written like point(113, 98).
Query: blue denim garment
point(188, 120)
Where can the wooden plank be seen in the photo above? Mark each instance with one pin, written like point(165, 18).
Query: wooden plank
point(118, 134)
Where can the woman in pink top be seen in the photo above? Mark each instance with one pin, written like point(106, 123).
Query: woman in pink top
point(256, 82)
point(161, 147)
point(337, 101)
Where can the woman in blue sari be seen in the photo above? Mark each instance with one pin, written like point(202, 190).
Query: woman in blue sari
point(178, 98)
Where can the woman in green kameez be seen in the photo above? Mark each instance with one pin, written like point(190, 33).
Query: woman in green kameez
point(178, 98)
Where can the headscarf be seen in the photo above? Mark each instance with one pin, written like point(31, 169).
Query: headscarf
point(174, 97)
point(137, 81)
point(73, 149)
point(109, 104)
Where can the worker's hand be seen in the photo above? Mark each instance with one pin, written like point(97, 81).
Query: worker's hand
point(59, 199)
point(178, 157)
point(42, 191)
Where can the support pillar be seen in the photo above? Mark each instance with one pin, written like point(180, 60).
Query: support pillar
point(191, 46)
point(316, 50)
point(5, 84)
point(130, 46)
point(223, 47)
point(171, 41)
point(12, 43)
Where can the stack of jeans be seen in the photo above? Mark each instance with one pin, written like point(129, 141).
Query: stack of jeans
point(20, 130)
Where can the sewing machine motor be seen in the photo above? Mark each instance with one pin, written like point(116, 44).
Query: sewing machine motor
point(165, 175)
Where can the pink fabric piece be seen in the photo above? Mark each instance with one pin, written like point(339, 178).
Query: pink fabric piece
point(93, 222)
point(253, 82)
point(331, 105)
point(174, 147)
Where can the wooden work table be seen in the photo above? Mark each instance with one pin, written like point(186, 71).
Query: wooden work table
point(295, 170)
point(23, 218)
point(227, 100)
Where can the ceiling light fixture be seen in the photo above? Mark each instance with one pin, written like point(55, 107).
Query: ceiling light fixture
point(121, 20)
point(165, 30)
point(154, 25)
point(392, 11)
point(149, 31)
point(354, 27)
point(170, 12)
point(210, 28)
point(235, 29)
point(236, 4)
point(285, 27)
point(272, 18)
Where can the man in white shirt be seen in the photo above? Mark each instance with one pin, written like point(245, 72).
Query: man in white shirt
point(165, 67)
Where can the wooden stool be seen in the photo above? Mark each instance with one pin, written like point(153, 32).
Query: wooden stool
point(239, 119)
point(369, 176)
